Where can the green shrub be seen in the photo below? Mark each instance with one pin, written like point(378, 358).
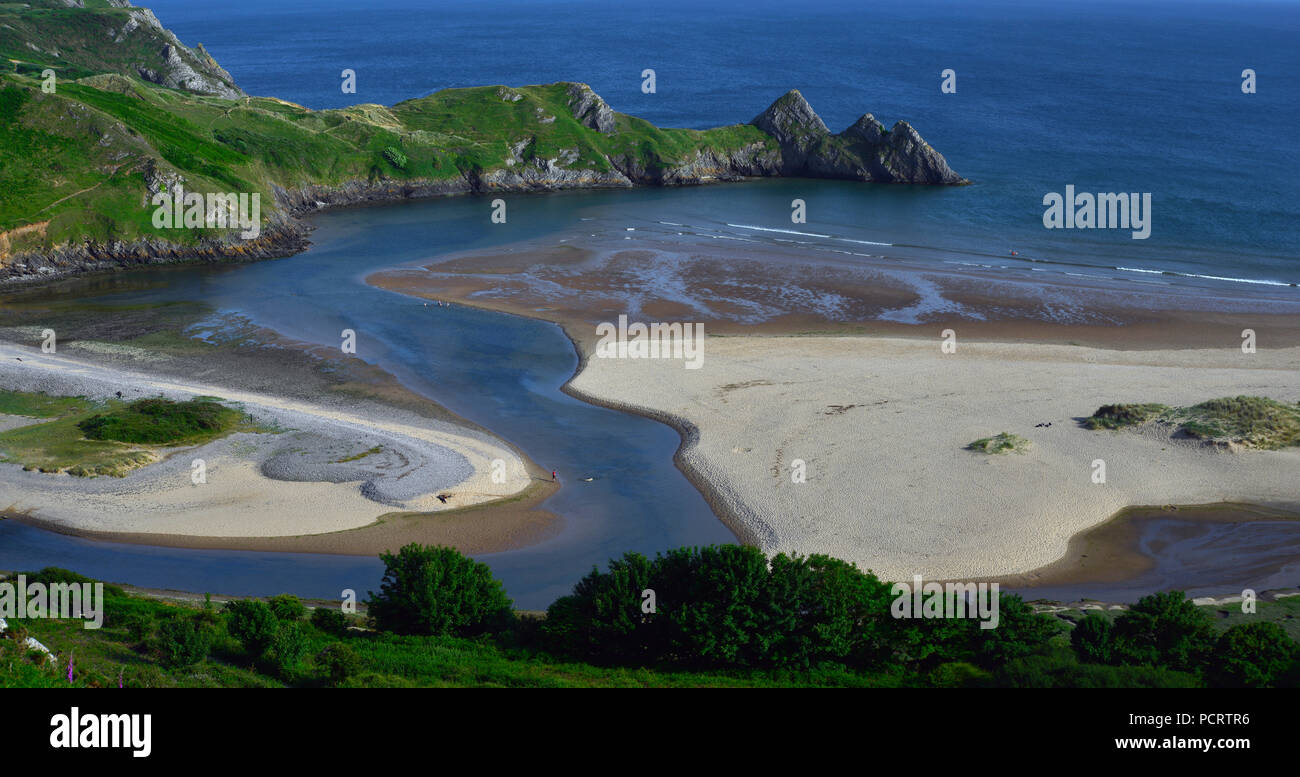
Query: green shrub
point(1020, 632)
point(252, 623)
point(330, 621)
point(956, 674)
point(182, 642)
point(288, 645)
point(139, 626)
point(1166, 630)
point(1251, 655)
point(437, 590)
point(603, 619)
point(1093, 639)
point(823, 609)
point(287, 607)
point(339, 661)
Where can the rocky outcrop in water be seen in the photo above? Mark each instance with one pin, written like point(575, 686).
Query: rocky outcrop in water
point(863, 152)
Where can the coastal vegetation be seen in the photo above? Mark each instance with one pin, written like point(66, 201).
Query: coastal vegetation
point(1004, 442)
point(159, 421)
point(1256, 422)
point(87, 439)
point(721, 616)
point(89, 136)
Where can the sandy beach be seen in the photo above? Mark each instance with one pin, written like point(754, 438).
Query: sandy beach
point(882, 425)
point(863, 399)
point(311, 477)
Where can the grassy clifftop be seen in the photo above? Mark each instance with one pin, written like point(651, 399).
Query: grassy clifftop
point(82, 163)
point(82, 156)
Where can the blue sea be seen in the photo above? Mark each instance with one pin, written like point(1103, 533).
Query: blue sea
point(1105, 96)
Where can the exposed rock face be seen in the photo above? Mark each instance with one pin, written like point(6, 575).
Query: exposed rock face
point(589, 109)
point(280, 237)
point(178, 66)
point(863, 152)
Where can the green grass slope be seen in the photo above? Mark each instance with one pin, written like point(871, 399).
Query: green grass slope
point(81, 164)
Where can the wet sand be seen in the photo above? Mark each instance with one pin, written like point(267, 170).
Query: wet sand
point(487, 528)
point(767, 290)
point(1139, 550)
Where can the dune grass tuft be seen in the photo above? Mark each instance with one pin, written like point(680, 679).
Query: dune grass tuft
point(1257, 422)
point(1003, 442)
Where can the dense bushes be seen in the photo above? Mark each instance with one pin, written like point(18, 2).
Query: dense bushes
point(438, 591)
point(330, 621)
point(287, 607)
point(726, 606)
point(726, 611)
point(252, 623)
point(1166, 631)
point(1252, 655)
point(182, 642)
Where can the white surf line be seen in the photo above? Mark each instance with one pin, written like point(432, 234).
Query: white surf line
point(478, 452)
point(806, 234)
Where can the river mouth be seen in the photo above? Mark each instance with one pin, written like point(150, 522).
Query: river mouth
point(1202, 550)
point(621, 491)
point(505, 373)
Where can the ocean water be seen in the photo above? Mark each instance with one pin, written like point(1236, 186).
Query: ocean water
point(1135, 96)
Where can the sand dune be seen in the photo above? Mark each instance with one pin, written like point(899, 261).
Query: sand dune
point(881, 424)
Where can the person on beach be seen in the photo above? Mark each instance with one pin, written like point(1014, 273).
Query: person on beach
point(552, 476)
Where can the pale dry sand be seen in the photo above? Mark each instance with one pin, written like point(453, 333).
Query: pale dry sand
point(314, 491)
point(882, 424)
